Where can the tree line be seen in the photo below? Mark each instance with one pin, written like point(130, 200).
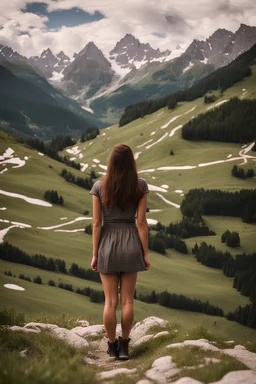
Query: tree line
point(82, 182)
point(233, 121)
point(90, 134)
point(232, 239)
point(216, 202)
point(243, 269)
point(187, 227)
point(13, 254)
point(53, 197)
point(51, 148)
point(221, 79)
point(241, 174)
point(176, 301)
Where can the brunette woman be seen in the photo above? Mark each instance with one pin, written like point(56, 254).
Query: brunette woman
point(120, 241)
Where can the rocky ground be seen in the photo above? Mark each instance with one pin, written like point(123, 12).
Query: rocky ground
point(161, 370)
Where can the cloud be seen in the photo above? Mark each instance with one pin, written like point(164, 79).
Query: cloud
point(162, 23)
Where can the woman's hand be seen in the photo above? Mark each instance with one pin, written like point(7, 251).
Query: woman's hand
point(94, 263)
point(147, 262)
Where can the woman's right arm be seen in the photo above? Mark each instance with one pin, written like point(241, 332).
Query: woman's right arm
point(142, 226)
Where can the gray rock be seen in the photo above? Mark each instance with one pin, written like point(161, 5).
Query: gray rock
point(241, 347)
point(144, 381)
point(114, 372)
point(143, 340)
point(70, 337)
point(83, 323)
point(187, 380)
point(238, 377)
point(40, 326)
point(246, 357)
point(161, 334)
point(87, 331)
point(141, 328)
point(162, 370)
point(201, 343)
point(16, 328)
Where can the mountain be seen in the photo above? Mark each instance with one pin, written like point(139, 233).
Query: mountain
point(89, 72)
point(30, 105)
point(153, 81)
point(129, 53)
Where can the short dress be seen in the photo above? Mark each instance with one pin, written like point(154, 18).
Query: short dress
point(120, 248)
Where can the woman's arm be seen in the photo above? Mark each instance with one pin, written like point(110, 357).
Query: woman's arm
point(97, 224)
point(142, 226)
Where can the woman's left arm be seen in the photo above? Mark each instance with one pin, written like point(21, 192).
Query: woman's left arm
point(97, 224)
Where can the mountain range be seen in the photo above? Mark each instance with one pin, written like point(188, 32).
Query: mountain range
point(105, 83)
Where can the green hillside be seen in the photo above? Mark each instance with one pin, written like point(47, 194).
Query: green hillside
point(31, 106)
point(193, 165)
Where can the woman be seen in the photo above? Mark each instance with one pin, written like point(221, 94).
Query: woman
point(120, 244)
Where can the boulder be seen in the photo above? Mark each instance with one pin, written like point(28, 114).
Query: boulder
point(201, 343)
point(238, 377)
point(16, 328)
point(83, 323)
point(143, 340)
point(40, 326)
point(114, 372)
point(161, 334)
point(87, 331)
point(70, 337)
point(162, 370)
point(246, 357)
point(142, 327)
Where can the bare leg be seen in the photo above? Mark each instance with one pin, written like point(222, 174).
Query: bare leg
point(128, 282)
point(110, 286)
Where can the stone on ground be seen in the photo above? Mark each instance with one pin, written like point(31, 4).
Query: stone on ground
point(70, 337)
point(162, 370)
point(114, 372)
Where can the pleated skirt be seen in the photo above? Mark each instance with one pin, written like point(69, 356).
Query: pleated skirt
point(120, 249)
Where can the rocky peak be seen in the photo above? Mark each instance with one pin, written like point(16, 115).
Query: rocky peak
point(92, 53)
point(62, 56)
point(129, 52)
point(221, 33)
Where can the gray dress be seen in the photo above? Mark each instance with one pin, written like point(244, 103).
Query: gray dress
point(120, 248)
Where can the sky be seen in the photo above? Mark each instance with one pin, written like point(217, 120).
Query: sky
point(30, 27)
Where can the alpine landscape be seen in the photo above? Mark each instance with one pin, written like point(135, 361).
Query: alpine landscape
point(77, 79)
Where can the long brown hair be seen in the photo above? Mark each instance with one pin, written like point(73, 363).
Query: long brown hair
point(120, 185)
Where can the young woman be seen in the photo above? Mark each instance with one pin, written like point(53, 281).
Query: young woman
point(120, 241)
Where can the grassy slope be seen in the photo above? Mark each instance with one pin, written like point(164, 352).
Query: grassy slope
point(177, 273)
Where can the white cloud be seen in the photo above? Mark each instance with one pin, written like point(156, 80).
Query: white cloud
point(188, 20)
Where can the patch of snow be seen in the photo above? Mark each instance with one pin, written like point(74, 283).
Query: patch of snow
point(40, 153)
point(217, 105)
point(153, 177)
point(155, 188)
point(174, 130)
point(14, 286)
point(139, 146)
point(4, 170)
point(26, 158)
point(165, 186)
point(27, 199)
point(69, 230)
point(178, 190)
point(56, 76)
point(67, 223)
point(168, 201)
point(84, 167)
point(72, 158)
point(210, 46)
point(147, 170)
point(80, 156)
point(3, 209)
point(14, 160)
point(243, 89)
point(230, 155)
point(155, 210)
point(170, 121)
point(158, 141)
point(88, 109)
point(103, 166)
point(136, 155)
point(73, 151)
point(152, 133)
point(170, 168)
point(63, 218)
point(96, 161)
point(188, 67)
point(152, 221)
point(8, 153)
point(103, 134)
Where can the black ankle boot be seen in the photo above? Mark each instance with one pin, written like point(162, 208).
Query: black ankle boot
point(123, 346)
point(112, 349)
